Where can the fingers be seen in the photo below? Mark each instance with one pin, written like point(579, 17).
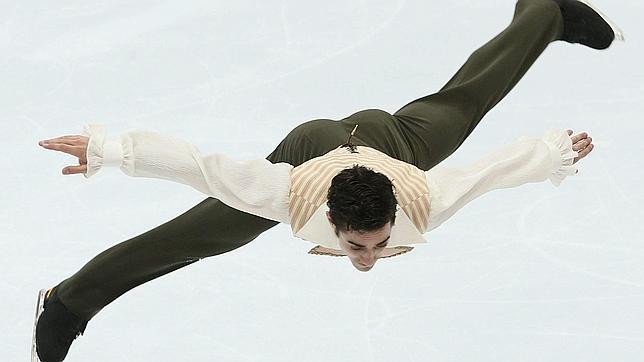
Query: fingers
point(56, 146)
point(586, 151)
point(69, 140)
point(72, 144)
point(77, 151)
point(578, 137)
point(583, 152)
point(69, 170)
point(580, 145)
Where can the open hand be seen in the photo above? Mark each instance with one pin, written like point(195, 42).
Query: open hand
point(75, 145)
point(582, 144)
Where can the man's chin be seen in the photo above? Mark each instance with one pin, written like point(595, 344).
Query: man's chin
point(363, 269)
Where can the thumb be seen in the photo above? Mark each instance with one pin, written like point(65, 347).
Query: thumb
point(74, 169)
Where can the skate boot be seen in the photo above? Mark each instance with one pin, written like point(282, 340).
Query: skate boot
point(55, 328)
point(586, 25)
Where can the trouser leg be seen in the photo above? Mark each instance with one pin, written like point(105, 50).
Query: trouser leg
point(207, 229)
point(437, 124)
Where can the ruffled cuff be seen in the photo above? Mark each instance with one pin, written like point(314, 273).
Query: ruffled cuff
point(561, 154)
point(100, 150)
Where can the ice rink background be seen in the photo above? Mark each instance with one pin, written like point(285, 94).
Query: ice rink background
point(535, 273)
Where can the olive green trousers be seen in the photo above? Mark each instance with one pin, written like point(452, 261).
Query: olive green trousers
point(423, 133)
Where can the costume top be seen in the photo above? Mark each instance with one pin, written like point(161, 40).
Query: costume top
point(282, 192)
point(311, 181)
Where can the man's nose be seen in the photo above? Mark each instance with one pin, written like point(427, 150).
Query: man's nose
point(368, 259)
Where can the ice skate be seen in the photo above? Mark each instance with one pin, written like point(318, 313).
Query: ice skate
point(585, 24)
point(39, 309)
point(55, 328)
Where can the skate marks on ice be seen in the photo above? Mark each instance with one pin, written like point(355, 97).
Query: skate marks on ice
point(311, 63)
point(532, 242)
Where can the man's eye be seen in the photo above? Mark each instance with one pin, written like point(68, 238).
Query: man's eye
point(379, 247)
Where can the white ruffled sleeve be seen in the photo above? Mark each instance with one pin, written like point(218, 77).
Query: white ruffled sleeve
point(104, 152)
point(257, 187)
point(562, 155)
point(524, 161)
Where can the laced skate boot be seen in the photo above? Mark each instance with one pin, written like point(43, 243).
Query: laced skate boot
point(56, 328)
point(586, 25)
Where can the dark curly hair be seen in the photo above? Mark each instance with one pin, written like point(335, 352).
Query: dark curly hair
point(361, 199)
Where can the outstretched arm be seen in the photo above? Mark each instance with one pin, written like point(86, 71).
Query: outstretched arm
point(258, 187)
point(524, 161)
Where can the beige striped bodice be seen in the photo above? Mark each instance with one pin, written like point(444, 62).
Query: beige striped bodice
point(311, 180)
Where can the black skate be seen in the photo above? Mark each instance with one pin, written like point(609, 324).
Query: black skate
point(55, 328)
point(586, 25)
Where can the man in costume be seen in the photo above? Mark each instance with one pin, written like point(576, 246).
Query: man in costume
point(364, 187)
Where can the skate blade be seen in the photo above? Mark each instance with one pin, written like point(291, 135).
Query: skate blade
point(39, 308)
point(619, 34)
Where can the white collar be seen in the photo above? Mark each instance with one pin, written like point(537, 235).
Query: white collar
point(318, 230)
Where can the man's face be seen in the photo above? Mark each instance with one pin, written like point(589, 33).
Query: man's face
point(363, 249)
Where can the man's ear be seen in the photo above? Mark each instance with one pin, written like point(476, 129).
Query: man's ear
point(328, 217)
point(335, 228)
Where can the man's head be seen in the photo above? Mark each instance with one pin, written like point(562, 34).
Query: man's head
point(362, 210)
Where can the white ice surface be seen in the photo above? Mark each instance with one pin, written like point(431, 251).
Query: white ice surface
point(535, 273)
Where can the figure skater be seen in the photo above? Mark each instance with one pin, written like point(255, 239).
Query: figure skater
point(364, 187)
